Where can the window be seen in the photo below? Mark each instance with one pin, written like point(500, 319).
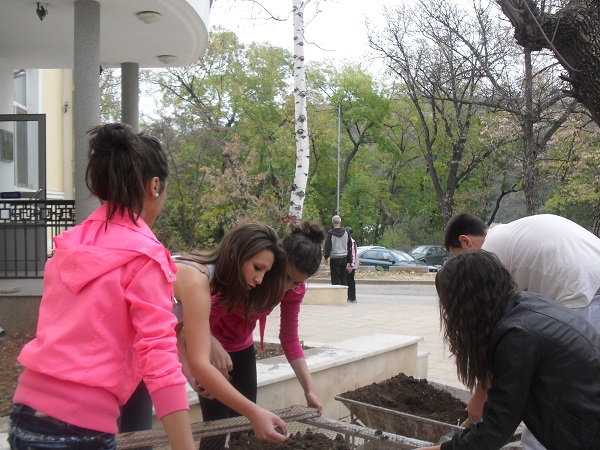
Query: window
point(21, 146)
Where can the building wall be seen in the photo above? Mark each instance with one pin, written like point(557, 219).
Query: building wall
point(7, 169)
point(56, 103)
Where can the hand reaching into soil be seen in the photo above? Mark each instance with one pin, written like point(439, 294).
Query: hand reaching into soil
point(268, 426)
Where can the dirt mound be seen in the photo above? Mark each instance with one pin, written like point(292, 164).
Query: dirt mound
point(308, 440)
point(412, 396)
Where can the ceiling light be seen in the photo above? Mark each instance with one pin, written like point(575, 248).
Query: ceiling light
point(149, 17)
point(167, 59)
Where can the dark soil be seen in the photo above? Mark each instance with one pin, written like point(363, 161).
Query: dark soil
point(308, 440)
point(269, 350)
point(409, 395)
point(10, 369)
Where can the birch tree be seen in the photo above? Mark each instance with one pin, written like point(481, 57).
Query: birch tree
point(300, 114)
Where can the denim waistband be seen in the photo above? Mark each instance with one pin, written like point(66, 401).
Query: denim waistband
point(22, 415)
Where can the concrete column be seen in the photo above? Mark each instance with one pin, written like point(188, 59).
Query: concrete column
point(130, 94)
point(86, 97)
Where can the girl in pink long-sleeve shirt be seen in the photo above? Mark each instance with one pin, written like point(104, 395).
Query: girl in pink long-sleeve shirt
point(233, 317)
point(105, 319)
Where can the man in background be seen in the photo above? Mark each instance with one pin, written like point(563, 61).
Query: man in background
point(338, 250)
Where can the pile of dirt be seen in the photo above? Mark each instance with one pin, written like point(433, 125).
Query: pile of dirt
point(412, 396)
point(10, 369)
point(308, 440)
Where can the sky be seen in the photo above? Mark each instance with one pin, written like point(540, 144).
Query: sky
point(338, 31)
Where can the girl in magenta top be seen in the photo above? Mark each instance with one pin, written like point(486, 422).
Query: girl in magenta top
point(247, 254)
point(234, 316)
point(105, 319)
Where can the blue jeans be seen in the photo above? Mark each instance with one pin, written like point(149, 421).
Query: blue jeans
point(29, 431)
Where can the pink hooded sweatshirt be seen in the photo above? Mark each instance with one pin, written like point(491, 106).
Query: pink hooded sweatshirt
point(105, 323)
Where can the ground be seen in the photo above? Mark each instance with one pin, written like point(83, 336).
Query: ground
point(10, 347)
point(308, 440)
point(10, 369)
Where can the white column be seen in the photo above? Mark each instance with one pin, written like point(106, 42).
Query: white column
point(86, 97)
point(130, 94)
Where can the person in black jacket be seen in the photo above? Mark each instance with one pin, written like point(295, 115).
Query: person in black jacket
point(539, 361)
point(338, 250)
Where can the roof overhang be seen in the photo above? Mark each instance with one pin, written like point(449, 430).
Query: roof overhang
point(26, 42)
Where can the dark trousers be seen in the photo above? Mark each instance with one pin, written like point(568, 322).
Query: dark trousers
point(351, 286)
point(136, 414)
point(243, 378)
point(337, 267)
point(29, 431)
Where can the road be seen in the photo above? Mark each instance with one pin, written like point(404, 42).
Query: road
point(407, 309)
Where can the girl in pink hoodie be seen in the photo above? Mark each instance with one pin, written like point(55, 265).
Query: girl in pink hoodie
point(105, 320)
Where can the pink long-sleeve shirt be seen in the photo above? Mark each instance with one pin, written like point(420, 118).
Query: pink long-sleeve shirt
point(234, 332)
point(105, 323)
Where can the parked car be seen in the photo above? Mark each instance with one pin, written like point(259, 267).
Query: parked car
point(430, 254)
point(386, 258)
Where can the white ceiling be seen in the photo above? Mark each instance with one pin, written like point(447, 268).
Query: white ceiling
point(28, 43)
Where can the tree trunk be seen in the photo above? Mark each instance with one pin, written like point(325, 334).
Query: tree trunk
point(530, 148)
point(572, 33)
point(300, 123)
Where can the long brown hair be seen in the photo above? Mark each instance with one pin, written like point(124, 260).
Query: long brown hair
point(238, 246)
point(473, 289)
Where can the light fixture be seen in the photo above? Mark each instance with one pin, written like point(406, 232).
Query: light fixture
point(149, 17)
point(41, 11)
point(167, 59)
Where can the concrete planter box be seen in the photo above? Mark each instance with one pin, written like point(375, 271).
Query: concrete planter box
point(343, 366)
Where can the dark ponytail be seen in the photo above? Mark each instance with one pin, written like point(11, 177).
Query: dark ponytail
point(303, 247)
point(120, 163)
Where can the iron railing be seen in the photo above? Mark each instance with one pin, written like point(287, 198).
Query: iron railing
point(27, 229)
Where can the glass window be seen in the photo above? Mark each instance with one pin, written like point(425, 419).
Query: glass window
point(20, 95)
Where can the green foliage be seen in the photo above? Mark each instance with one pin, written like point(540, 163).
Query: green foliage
point(110, 95)
point(412, 232)
point(406, 156)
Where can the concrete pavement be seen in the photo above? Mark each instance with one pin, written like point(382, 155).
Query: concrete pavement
point(404, 308)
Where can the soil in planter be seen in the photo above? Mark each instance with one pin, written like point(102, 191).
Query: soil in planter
point(269, 350)
point(309, 440)
point(412, 396)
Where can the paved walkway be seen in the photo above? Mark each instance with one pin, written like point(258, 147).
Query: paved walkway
point(414, 311)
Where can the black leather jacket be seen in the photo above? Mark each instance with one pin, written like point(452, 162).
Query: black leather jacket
point(545, 372)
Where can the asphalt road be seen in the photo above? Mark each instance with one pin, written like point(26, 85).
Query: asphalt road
point(405, 294)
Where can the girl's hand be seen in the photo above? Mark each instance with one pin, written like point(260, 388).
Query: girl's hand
point(475, 405)
point(204, 393)
point(313, 401)
point(269, 427)
point(220, 358)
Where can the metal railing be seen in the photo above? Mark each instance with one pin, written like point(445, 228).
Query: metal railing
point(27, 229)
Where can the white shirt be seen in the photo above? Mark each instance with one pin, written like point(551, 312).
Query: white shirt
point(550, 255)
